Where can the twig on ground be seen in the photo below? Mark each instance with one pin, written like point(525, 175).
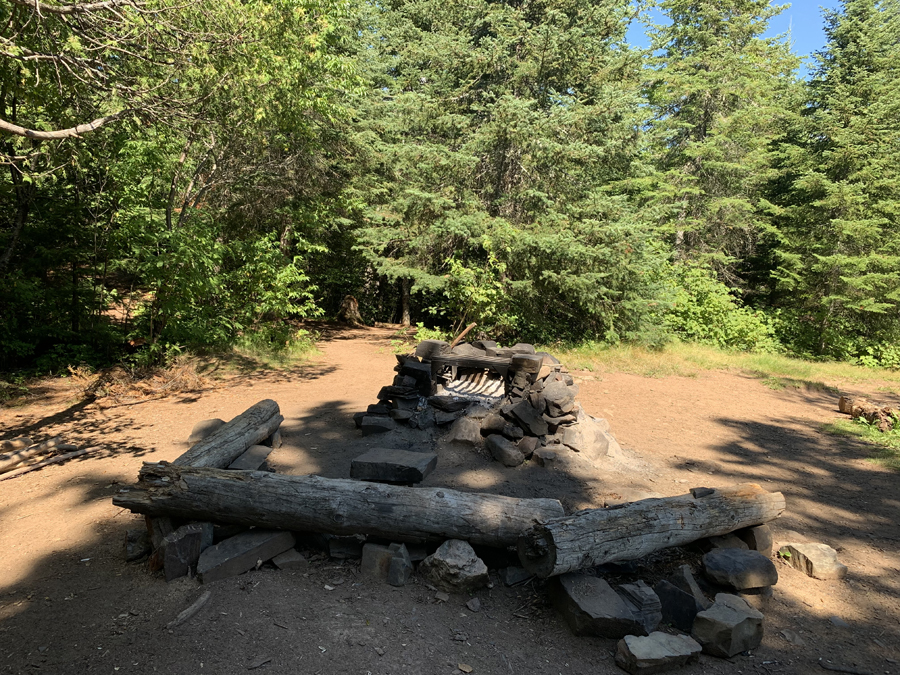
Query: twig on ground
point(189, 612)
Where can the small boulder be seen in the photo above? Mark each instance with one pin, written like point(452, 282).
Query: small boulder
point(644, 603)
point(465, 430)
point(376, 561)
point(728, 541)
point(179, 551)
point(390, 465)
point(656, 653)
point(251, 459)
point(758, 538)
point(504, 450)
point(372, 424)
point(527, 446)
point(678, 608)
point(241, 553)
point(137, 544)
point(729, 627)
point(815, 560)
point(205, 429)
point(401, 568)
point(291, 559)
point(739, 569)
point(544, 457)
point(573, 438)
point(492, 424)
point(512, 576)
point(560, 398)
point(455, 567)
point(591, 607)
point(529, 418)
point(684, 579)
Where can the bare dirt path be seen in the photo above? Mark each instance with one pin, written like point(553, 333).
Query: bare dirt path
point(69, 604)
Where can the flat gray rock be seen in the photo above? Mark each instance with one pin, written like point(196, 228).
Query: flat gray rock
point(290, 560)
point(401, 568)
point(684, 579)
point(560, 398)
point(242, 553)
point(465, 430)
point(544, 457)
point(455, 567)
point(728, 541)
point(644, 603)
point(373, 424)
point(527, 446)
point(656, 653)
point(739, 569)
point(729, 627)
point(504, 450)
point(137, 544)
point(573, 438)
point(389, 465)
point(204, 429)
point(678, 608)
point(344, 548)
point(251, 459)
point(815, 560)
point(512, 576)
point(591, 607)
point(758, 538)
point(492, 424)
point(449, 404)
point(179, 551)
point(376, 561)
point(530, 418)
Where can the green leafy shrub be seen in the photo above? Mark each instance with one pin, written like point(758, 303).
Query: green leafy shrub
point(703, 310)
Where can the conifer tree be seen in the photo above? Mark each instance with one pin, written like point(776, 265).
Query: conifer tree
point(839, 248)
point(493, 131)
point(718, 91)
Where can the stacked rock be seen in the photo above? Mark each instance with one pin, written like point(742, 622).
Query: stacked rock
point(535, 413)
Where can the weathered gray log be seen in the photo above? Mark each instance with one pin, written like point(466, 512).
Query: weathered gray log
point(336, 506)
point(597, 536)
point(230, 441)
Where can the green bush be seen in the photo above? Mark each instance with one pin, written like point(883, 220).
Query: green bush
point(703, 310)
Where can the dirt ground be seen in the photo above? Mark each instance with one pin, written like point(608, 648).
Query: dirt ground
point(70, 604)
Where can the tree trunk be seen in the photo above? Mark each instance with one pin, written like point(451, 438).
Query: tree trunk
point(597, 536)
point(336, 506)
point(404, 302)
point(251, 427)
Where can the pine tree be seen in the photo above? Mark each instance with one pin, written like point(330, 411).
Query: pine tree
point(493, 132)
point(718, 91)
point(839, 249)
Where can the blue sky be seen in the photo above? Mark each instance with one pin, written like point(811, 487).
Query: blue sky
point(803, 19)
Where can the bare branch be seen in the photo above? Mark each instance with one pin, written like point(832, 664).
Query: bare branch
point(72, 132)
point(84, 7)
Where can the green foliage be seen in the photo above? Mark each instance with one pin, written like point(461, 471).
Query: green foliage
point(887, 443)
point(837, 256)
point(704, 310)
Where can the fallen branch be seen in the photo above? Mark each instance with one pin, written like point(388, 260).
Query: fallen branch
point(843, 669)
point(189, 612)
point(465, 332)
point(46, 462)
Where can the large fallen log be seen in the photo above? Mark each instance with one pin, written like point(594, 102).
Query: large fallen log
point(227, 443)
point(336, 506)
point(597, 536)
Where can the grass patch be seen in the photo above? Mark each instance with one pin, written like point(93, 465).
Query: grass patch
point(887, 445)
point(688, 360)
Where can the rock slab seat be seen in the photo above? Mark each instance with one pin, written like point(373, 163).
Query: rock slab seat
point(591, 607)
point(656, 653)
point(252, 459)
point(815, 560)
point(242, 553)
point(740, 569)
point(729, 627)
point(455, 567)
point(390, 465)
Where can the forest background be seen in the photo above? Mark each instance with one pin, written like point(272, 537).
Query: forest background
point(187, 176)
